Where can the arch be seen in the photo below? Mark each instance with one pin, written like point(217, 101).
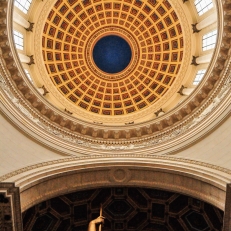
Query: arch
point(41, 182)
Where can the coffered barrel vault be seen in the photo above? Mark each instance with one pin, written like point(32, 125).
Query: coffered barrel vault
point(124, 209)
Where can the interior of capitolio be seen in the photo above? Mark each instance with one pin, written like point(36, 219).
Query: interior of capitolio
point(122, 105)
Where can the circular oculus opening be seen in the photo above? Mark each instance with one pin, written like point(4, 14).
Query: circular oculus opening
point(112, 54)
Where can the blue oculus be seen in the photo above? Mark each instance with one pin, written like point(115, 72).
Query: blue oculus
point(112, 54)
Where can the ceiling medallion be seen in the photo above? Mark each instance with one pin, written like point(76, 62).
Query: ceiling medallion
point(102, 33)
point(112, 54)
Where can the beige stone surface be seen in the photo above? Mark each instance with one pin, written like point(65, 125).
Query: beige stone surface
point(214, 149)
point(18, 151)
point(16, 147)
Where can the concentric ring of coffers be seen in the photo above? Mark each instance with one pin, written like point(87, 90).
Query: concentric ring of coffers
point(103, 32)
point(183, 111)
point(152, 29)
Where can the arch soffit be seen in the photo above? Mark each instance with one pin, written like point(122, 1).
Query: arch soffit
point(200, 180)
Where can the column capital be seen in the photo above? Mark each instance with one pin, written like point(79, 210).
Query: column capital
point(194, 28)
point(31, 26)
point(181, 90)
point(194, 61)
point(31, 59)
point(159, 112)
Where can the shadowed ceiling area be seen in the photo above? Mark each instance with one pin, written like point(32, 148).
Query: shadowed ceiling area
point(125, 209)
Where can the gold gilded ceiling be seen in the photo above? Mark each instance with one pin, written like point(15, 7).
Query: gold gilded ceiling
point(154, 33)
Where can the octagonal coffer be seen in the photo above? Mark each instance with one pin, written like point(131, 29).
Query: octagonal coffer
point(60, 206)
point(44, 222)
point(119, 208)
point(196, 221)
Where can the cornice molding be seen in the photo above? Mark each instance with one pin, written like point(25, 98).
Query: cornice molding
point(29, 171)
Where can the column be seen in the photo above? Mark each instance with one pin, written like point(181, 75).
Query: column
point(24, 58)
point(207, 21)
point(197, 27)
point(227, 214)
point(20, 20)
point(204, 58)
point(187, 91)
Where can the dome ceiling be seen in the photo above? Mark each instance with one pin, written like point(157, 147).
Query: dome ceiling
point(48, 117)
point(153, 32)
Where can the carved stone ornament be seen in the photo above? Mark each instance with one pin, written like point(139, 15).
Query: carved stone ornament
point(30, 28)
point(194, 28)
point(194, 61)
point(181, 90)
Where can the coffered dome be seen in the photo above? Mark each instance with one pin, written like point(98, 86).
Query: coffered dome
point(154, 34)
point(136, 104)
